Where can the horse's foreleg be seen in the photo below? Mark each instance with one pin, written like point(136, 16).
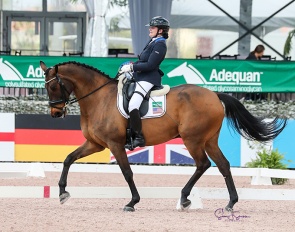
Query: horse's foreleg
point(224, 167)
point(123, 162)
point(203, 163)
point(86, 149)
point(128, 174)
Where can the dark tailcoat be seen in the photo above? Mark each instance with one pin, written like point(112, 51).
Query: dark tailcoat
point(147, 68)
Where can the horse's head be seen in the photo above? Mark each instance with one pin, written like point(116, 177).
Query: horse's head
point(58, 90)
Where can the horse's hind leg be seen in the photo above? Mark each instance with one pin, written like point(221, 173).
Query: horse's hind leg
point(223, 165)
point(86, 149)
point(202, 163)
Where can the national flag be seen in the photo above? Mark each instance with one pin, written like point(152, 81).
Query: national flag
point(172, 152)
point(157, 110)
point(41, 138)
point(157, 107)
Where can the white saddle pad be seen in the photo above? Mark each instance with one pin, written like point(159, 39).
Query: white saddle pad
point(157, 101)
point(157, 107)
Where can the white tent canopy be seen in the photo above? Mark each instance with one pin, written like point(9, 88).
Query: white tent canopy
point(202, 14)
point(261, 8)
point(96, 38)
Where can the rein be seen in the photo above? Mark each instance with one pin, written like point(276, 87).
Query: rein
point(63, 90)
point(71, 101)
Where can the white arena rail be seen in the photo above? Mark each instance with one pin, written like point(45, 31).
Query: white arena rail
point(196, 195)
point(145, 192)
point(13, 174)
point(260, 176)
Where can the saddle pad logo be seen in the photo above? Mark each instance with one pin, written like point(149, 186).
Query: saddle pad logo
point(157, 107)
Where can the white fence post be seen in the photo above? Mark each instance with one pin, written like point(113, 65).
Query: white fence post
point(260, 180)
point(36, 170)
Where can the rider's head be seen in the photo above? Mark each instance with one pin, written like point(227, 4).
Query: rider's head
point(159, 26)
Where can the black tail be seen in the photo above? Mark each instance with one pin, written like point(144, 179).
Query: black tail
point(246, 124)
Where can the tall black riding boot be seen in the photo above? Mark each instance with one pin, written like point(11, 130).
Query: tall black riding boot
point(135, 124)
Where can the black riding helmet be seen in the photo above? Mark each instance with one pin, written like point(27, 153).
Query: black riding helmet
point(161, 23)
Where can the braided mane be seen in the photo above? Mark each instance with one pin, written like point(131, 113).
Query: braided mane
point(85, 66)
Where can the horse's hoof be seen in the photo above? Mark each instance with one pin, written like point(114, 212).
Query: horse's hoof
point(128, 209)
point(229, 209)
point(186, 205)
point(64, 197)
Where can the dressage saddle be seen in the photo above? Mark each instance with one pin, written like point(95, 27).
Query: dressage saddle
point(127, 92)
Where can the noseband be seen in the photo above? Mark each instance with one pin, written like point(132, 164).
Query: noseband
point(63, 90)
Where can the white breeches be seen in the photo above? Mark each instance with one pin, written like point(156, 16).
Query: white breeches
point(143, 87)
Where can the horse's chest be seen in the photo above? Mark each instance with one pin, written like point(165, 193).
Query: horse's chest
point(92, 137)
point(92, 131)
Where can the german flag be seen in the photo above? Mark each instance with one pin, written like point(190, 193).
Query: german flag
point(42, 138)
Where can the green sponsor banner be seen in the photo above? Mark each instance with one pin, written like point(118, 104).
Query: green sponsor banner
point(25, 71)
point(216, 75)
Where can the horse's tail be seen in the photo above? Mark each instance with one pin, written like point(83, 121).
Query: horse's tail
point(246, 124)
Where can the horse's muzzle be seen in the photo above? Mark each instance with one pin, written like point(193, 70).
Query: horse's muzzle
point(58, 112)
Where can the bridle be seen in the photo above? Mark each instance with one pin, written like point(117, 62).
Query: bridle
point(64, 98)
point(63, 89)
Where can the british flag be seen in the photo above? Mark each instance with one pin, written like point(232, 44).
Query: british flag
point(172, 152)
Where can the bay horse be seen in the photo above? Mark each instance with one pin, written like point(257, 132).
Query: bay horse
point(193, 113)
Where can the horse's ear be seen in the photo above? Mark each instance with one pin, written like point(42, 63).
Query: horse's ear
point(43, 65)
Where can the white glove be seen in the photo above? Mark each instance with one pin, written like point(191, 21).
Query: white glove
point(127, 68)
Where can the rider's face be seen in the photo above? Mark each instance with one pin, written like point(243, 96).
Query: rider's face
point(153, 31)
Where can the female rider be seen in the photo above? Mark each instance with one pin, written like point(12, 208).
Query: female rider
point(147, 73)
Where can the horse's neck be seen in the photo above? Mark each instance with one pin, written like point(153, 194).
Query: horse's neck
point(92, 88)
point(83, 79)
point(99, 102)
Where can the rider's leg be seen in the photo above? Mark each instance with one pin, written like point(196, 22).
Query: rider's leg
point(141, 89)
